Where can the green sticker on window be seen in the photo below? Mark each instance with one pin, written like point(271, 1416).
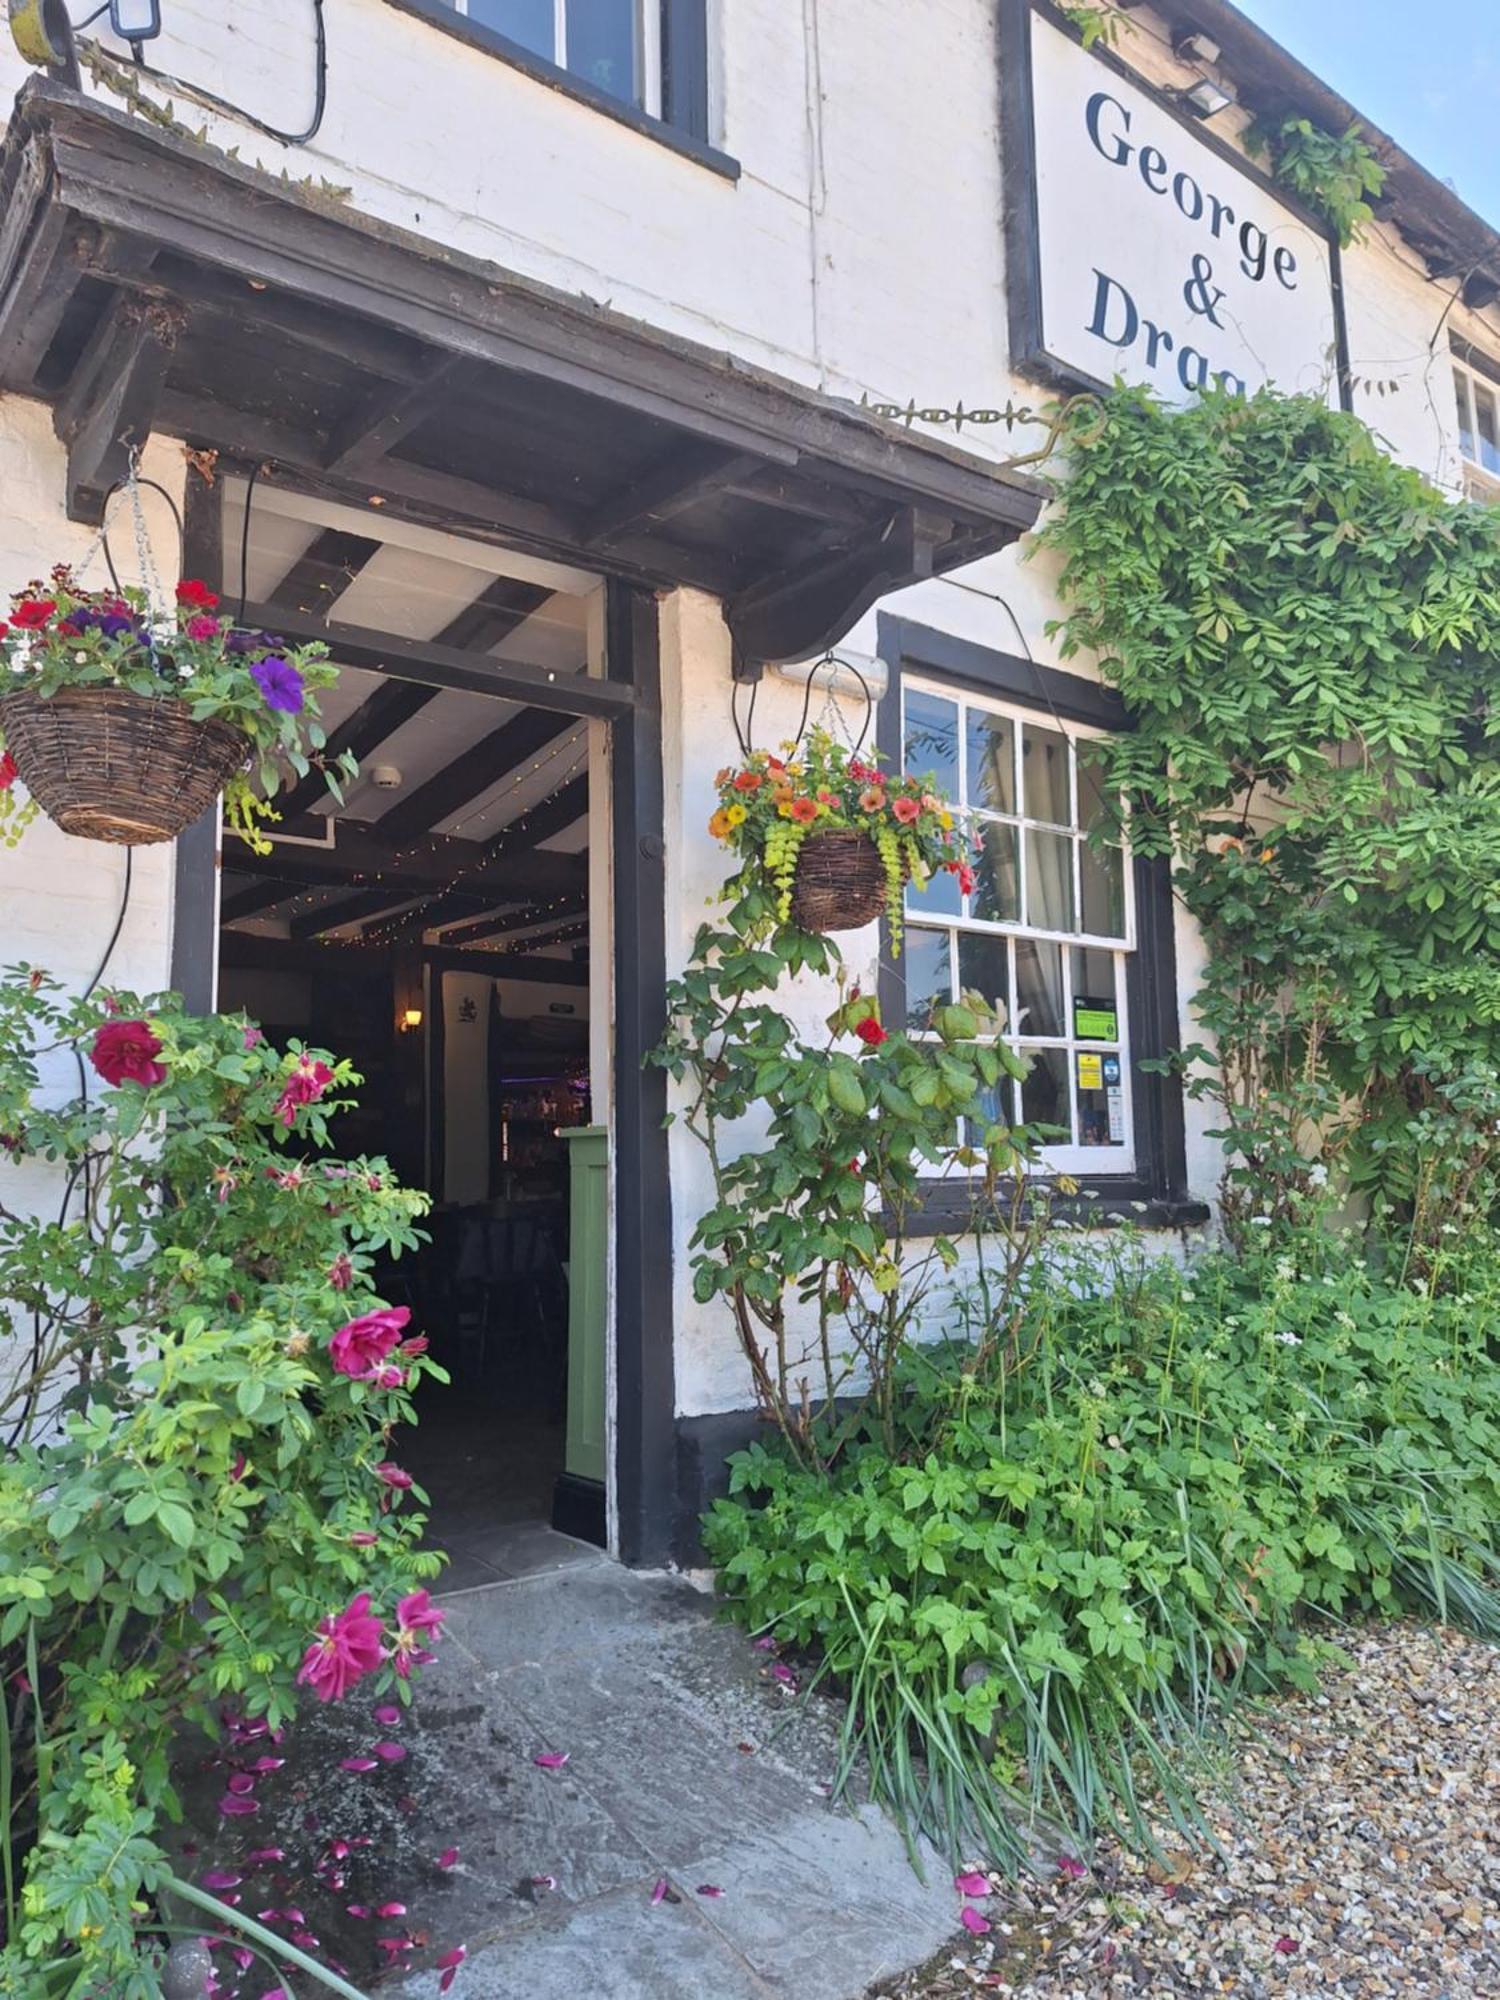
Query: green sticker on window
point(1094, 1020)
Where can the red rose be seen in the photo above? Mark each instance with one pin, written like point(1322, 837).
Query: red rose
point(32, 614)
point(7, 770)
point(871, 1033)
point(196, 594)
point(126, 1052)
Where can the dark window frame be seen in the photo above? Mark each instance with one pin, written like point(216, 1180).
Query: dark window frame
point(1155, 1194)
point(683, 124)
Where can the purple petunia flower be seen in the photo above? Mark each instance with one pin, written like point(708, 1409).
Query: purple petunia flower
point(280, 683)
point(111, 624)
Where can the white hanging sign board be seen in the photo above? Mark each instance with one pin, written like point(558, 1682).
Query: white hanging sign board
point(1154, 256)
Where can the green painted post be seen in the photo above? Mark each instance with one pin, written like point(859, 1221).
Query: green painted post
point(588, 1253)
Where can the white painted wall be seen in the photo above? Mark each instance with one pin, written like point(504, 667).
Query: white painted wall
point(861, 250)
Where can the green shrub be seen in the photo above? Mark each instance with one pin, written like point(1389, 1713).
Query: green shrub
point(195, 1477)
point(1104, 1528)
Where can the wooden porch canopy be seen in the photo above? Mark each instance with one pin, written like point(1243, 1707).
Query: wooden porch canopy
point(150, 284)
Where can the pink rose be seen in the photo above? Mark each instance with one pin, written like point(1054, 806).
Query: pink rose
point(360, 1347)
point(305, 1085)
point(126, 1052)
point(347, 1648)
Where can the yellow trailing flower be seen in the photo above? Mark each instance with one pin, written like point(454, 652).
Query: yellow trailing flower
point(735, 814)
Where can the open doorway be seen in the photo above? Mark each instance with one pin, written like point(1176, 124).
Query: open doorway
point(447, 928)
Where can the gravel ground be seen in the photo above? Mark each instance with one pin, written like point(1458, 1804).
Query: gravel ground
point(1361, 1856)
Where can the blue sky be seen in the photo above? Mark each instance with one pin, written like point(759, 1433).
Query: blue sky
point(1429, 74)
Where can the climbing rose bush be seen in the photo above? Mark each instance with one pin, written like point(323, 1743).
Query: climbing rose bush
point(199, 1503)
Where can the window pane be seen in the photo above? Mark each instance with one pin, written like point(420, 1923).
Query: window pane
point(601, 44)
point(1092, 793)
point(1039, 988)
point(931, 747)
point(528, 22)
point(1049, 881)
point(1466, 442)
point(1489, 430)
point(997, 894)
point(938, 896)
point(1101, 877)
point(1101, 1099)
point(923, 965)
point(1096, 1015)
point(1044, 776)
point(983, 967)
point(992, 761)
point(1044, 1093)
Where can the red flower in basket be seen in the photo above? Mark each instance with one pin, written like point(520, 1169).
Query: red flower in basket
point(198, 595)
point(7, 768)
point(126, 1052)
point(33, 612)
point(906, 810)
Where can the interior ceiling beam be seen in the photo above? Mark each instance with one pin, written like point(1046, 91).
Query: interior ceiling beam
point(251, 900)
point(563, 809)
point(348, 910)
point(277, 954)
point(110, 403)
point(362, 859)
point(393, 704)
point(434, 665)
point(324, 571)
point(677, 482)
point(473, 771)
point(562, 932)
point(498, 922)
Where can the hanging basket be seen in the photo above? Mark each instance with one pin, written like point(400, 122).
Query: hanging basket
point(840, 882)
point(106, 764)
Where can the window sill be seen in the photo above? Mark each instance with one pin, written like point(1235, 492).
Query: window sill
point(1102, 1204)
point(437, 15)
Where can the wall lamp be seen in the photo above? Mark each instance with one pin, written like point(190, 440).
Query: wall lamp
point(411, 1020)
point(1207, 100)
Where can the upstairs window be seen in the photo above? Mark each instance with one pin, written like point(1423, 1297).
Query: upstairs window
point(613, 45)
point(1479, 426)
point(1049, 927)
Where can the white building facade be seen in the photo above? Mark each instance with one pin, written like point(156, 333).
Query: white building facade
point(572, 311)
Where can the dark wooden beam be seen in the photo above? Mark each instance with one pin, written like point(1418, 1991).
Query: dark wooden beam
point(393, 704)
point(435, 910)
point(234, 433)
point(805, 610)
point(425, 661)
point(508, 965)
point(380, 419)
point(473, 771)
point(687, 474)
point(251, 900)
point(246, 948)
point(348, 910)
point(551, 816)
point(362, 860)
point(503, 604)
point(500, 921)
point(110, 403)
point(324, 571)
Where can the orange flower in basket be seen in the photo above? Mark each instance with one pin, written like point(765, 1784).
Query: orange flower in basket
point(873, 800)
point(748, 781)
point(804, 811)
point(907, 810)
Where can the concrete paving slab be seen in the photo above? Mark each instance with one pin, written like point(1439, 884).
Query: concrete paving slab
point(592, 1607)
point(620, 1948)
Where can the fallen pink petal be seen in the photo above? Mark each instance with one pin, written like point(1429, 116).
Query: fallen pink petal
point(709, 1889)
point(1286, 1946)
point(358, 1909)
point(1070, 1866)
point(659, 1893)
point(387, 1715)
point(261, 1855)
point(390, 1753)
point(242, 1782)
point(358, 1763)
point(391, 1910)
point(448, 1858)
point(972, 1885)
point(219, 1878)
point(552, 1760)
point(448, 1966)
point(544, 1881)
point(233, 1806)
point(972, 1921)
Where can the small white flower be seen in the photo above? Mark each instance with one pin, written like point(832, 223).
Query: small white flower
point(1289, 1339)
point(1317, 1173)
point(80, 659)
point(1260, 1222)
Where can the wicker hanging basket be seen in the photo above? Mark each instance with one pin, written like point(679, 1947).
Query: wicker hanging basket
point(840, 882)
point(106, 764)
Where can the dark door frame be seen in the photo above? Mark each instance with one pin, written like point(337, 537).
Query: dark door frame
point(644, 1400)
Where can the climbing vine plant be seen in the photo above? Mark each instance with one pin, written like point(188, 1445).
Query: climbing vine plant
point(1307, 635)
point(1337, 176)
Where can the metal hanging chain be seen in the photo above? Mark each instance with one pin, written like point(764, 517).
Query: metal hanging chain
point(832, 717)
point(131, 486)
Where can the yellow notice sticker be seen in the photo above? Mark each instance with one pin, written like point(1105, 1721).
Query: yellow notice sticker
point(1090, 1071)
